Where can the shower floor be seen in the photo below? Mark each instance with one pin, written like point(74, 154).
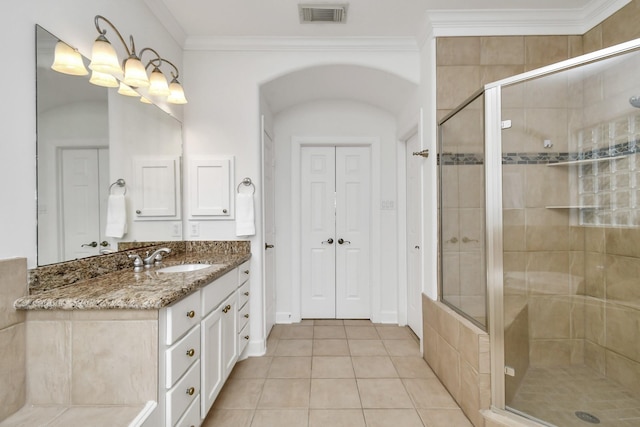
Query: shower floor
point(555, 394)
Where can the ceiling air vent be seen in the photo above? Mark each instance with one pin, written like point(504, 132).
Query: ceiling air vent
point(323, 12)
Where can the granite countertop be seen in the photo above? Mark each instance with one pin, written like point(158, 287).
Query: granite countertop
point(126, 289)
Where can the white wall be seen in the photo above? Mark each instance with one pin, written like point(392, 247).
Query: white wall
point(72, 21)
point(334, 119)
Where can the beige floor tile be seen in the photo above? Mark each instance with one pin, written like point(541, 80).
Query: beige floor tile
point(228, 418)
point(336, 418)
point(290, 367)
point(252, 367)
point(295, 332)
point(239, 394)
point(412, 367)
point(402, 347)
point(334, 394)
point(280, 418)
point(330, 348)
point(272, 343)
point(383, 393)
point(367, 348)
point(306, 322)
point(332, 367)
point(328, 332)
point(394, 332)
point(276, 331)
point(294, 348)
point(444, 418)
point(362, 333)
point(33, 416)
point(328, 322)
point(374, 367)
point(393, 418)
point(357, 322)
point(285, 393)
point(429, 393)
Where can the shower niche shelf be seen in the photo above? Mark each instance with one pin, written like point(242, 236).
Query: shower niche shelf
point(586, 161)
point(574, 207)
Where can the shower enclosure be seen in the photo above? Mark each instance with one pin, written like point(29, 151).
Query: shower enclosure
point(540, 235)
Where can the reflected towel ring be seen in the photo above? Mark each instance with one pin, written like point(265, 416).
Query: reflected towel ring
point(247, 182)
point(120, 183)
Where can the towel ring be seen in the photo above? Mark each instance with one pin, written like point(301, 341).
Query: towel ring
point(247, 182)
point(120, 183)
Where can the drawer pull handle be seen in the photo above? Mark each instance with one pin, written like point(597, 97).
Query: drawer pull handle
point(246, 272)
point(246, 293)
point(226, 309)
point(246, 315)
point(246, 337)
point(190, 391)
point(191, 352)
point(191, 314)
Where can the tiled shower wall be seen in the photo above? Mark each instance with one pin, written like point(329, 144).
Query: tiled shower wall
point(13, 285)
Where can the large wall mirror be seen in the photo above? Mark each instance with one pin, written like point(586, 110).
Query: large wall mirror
point(105, 161)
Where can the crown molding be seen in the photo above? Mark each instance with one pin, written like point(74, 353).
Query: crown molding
point(306, 44)
point(447, 23)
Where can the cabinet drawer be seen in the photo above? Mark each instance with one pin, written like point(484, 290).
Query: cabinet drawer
point(243, 272)
point(182, 355)
point(215, 292)
point(243, 316)
point(243, 339)
point(191, 418)
point(243, 294)
point(183, 394)
point(182, 316)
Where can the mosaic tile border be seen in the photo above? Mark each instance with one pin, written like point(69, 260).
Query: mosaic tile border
point(543, 158)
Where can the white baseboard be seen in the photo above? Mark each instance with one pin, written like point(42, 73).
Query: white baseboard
point(283, 317)
point(389, 317)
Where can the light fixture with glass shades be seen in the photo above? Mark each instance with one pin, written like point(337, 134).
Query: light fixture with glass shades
point(132, 74)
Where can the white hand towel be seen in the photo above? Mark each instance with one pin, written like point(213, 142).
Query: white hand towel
point(245, 223)
point(116, 216)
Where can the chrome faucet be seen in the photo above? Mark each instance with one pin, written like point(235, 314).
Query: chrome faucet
point(156, 257)
point(137, 262)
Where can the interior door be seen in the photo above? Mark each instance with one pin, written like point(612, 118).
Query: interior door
point(80, 202)
point(336, 217)
point(268, 153)
point(414, 236)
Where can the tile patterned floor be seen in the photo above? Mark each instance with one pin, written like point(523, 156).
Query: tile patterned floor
point(554, 395)
point(335, 373)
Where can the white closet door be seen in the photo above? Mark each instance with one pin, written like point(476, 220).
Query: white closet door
point(269, 197)
point(335, 246)
point(414, 236)
point(80, 202)
point(318, 289)
point(353, 219)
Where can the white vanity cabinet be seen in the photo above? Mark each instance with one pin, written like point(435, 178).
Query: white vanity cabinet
point(199, 346)
point(243, 307)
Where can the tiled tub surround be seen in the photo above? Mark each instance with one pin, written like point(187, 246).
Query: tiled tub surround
point(90, 344)
point(13, 369)
point(458, 352)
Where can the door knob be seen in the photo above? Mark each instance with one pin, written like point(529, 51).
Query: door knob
point(342, 241)
point(267, 246)
point(104, 243)
point(92, 244)
point(329, 241)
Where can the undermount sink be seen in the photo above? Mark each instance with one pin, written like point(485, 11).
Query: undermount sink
point(185, 268)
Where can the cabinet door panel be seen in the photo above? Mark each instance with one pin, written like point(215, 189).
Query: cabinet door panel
point(229, 334)
point(211, 359)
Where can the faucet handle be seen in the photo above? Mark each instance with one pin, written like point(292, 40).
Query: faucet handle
point(137, 261)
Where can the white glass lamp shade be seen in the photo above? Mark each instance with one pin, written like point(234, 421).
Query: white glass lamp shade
point(145, 100)
point(67, 60)
point(104, 58)
point(103, 79)
point(158, 83)
point(134, 73)
point(126, 90)
point(177, 93)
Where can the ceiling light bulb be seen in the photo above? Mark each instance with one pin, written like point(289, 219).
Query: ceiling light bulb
point(177, 93)
point(104, 58)
point(126, 90)
point(158, 83)
point(67, 60)
point(135, 74)
point(103, 79)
